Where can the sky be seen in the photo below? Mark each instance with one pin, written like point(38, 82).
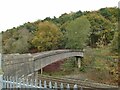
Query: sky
point(17, 12)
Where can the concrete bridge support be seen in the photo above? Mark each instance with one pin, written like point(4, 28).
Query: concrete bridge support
point(79, 61)
point(41, 71)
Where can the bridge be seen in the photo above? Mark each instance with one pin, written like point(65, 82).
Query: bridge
point(25, 64)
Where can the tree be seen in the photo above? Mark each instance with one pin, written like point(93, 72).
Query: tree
point(77, 33)
point(110, 13)
point(22, 44)
point(77, 14)
point(30, 26)
point(114, 45)
point(47, 36)
point(102, 30)
point(63, 18)
point(19, 42)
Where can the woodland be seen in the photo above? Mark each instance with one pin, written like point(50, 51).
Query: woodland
point(96, 32)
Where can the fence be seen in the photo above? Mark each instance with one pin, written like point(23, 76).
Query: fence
point(14, 82)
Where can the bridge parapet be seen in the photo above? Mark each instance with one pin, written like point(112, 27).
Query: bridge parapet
point(16, 64)
point(54, 52)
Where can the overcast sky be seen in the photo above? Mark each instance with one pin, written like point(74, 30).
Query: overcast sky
point(16, 12)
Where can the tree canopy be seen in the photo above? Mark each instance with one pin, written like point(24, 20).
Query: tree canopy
point(72, 30)
point(47, 36)
point(77, 32)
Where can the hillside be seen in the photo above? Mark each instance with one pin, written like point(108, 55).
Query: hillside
point(95, 31)
point(51, 33)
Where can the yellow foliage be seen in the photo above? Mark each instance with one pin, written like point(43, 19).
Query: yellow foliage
point(47, 36)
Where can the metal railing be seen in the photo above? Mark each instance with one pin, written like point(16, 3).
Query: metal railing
point(21, 83)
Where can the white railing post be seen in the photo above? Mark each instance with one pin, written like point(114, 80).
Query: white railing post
point(68, 87)
point(55, 86)
point(75, 87)
point(4, 82)
point(11, 82)
point(31, 83)
point(50, 85)
point(45, 85)
point(1, 73)
point(40, 85)
point(81, 88)
point(61, 86)
point(27, 82)
point(1, 82)
point(20, 82)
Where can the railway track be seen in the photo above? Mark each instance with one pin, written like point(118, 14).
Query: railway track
point(87, 85)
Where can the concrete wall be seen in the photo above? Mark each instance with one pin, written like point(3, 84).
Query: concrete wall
point(24, 64)
point(17, 64)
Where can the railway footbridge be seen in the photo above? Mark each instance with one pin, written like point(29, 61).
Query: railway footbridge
point(25, 64)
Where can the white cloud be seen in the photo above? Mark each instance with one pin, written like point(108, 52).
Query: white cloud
point(16, 12)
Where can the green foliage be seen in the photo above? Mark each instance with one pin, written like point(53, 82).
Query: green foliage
point(68, 65)
point(64, 18)
point(102, 62)
point(47, 19)
point(82, 69)
point(30, 26)
point(110, 13)
point(18, 42)
point(75, 30)
point(102, 30)
point(114, 44)
point(70, 30)
point(77, 14)
point(69, 17)
point(77, 33)
point(47, 36)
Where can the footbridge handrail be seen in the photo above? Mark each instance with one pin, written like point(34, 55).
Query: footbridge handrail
point(54, 52)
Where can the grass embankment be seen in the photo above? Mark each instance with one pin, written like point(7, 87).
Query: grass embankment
point(99, 65)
